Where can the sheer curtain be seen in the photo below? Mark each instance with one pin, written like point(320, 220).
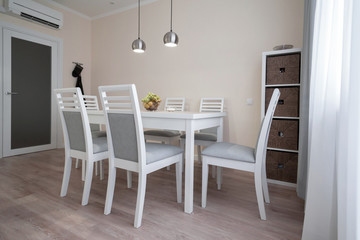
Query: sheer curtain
point(348, 144)
point(333, 192)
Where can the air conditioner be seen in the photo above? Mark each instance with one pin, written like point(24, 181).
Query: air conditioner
point(35, 12)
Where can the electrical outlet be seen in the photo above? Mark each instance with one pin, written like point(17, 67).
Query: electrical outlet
point(249, 101)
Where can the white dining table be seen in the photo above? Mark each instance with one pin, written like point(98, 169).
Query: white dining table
point(189, 122)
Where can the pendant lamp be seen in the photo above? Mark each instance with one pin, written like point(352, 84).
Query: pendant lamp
point(170, 38)
point(138, 45)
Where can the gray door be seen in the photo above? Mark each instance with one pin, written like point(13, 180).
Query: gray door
point(29, 112)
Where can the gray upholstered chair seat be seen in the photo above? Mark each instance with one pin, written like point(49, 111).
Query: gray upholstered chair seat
point(98, 134)
point(157, 151)
point(162, 133)
point(203, 136)
point(100, 144)
point(230, 151)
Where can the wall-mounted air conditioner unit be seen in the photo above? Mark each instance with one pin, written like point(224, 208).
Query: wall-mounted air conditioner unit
point(35, 12)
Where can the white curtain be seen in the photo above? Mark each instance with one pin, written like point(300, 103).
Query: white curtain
point(306, 61)
point(333, 192)
point(348, 144)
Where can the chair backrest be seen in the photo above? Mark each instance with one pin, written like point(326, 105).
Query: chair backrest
point(178, 104)
point(211, 105)
point(91, 103)
point(125, 134)
point(74, 120)
point(260, 150)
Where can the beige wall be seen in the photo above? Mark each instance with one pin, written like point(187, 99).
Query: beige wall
point(219, 53)
point(76, 36)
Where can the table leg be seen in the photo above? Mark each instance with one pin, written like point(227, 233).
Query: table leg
point(220, 131)
point(189, 167)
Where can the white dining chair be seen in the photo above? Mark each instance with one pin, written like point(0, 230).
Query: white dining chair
point(243, 158)
point(78, 140)
point(167, 136)
point(91, 104)
point(127, 147)
point(208, 136)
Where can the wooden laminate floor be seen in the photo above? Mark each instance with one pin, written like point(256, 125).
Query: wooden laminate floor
point(31, 208)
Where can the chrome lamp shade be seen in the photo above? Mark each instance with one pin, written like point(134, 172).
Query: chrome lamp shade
point(171, 39)
point(138, 46)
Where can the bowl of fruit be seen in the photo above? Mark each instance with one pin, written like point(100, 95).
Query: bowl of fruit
point(151, 101)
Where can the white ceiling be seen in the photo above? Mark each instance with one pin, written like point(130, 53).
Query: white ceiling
point(98, 8)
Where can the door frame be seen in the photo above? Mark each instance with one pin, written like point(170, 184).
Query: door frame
point(58, 75)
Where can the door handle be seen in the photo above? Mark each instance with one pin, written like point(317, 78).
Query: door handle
point(12, 93)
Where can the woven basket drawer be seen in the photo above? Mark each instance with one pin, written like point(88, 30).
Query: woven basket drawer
point(288, 104)
point(284, 134)
point(283, 69)
point(281, 166)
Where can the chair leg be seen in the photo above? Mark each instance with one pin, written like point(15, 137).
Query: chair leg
point(96, 168)
point(140, 200)
point(179, 180)
point(83, 168)
point(199, 153)
point(259, 194)
point(66, 176)
point(77, 163)
point(129, 179)
point(101, 169)
point(182, 145)
point(88, 180)
point(168, 167)
point(110, 190)
point(218, 177)
point(213, 172)
point(265, 185)
point(205, 172)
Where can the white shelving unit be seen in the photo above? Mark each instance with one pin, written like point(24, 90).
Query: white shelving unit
point(280, 67)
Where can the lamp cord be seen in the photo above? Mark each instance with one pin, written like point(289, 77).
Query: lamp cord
point(139, 20)
point(171, 17)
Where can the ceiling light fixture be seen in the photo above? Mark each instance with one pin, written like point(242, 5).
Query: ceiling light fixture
point(170, 38)
point(138, 45)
